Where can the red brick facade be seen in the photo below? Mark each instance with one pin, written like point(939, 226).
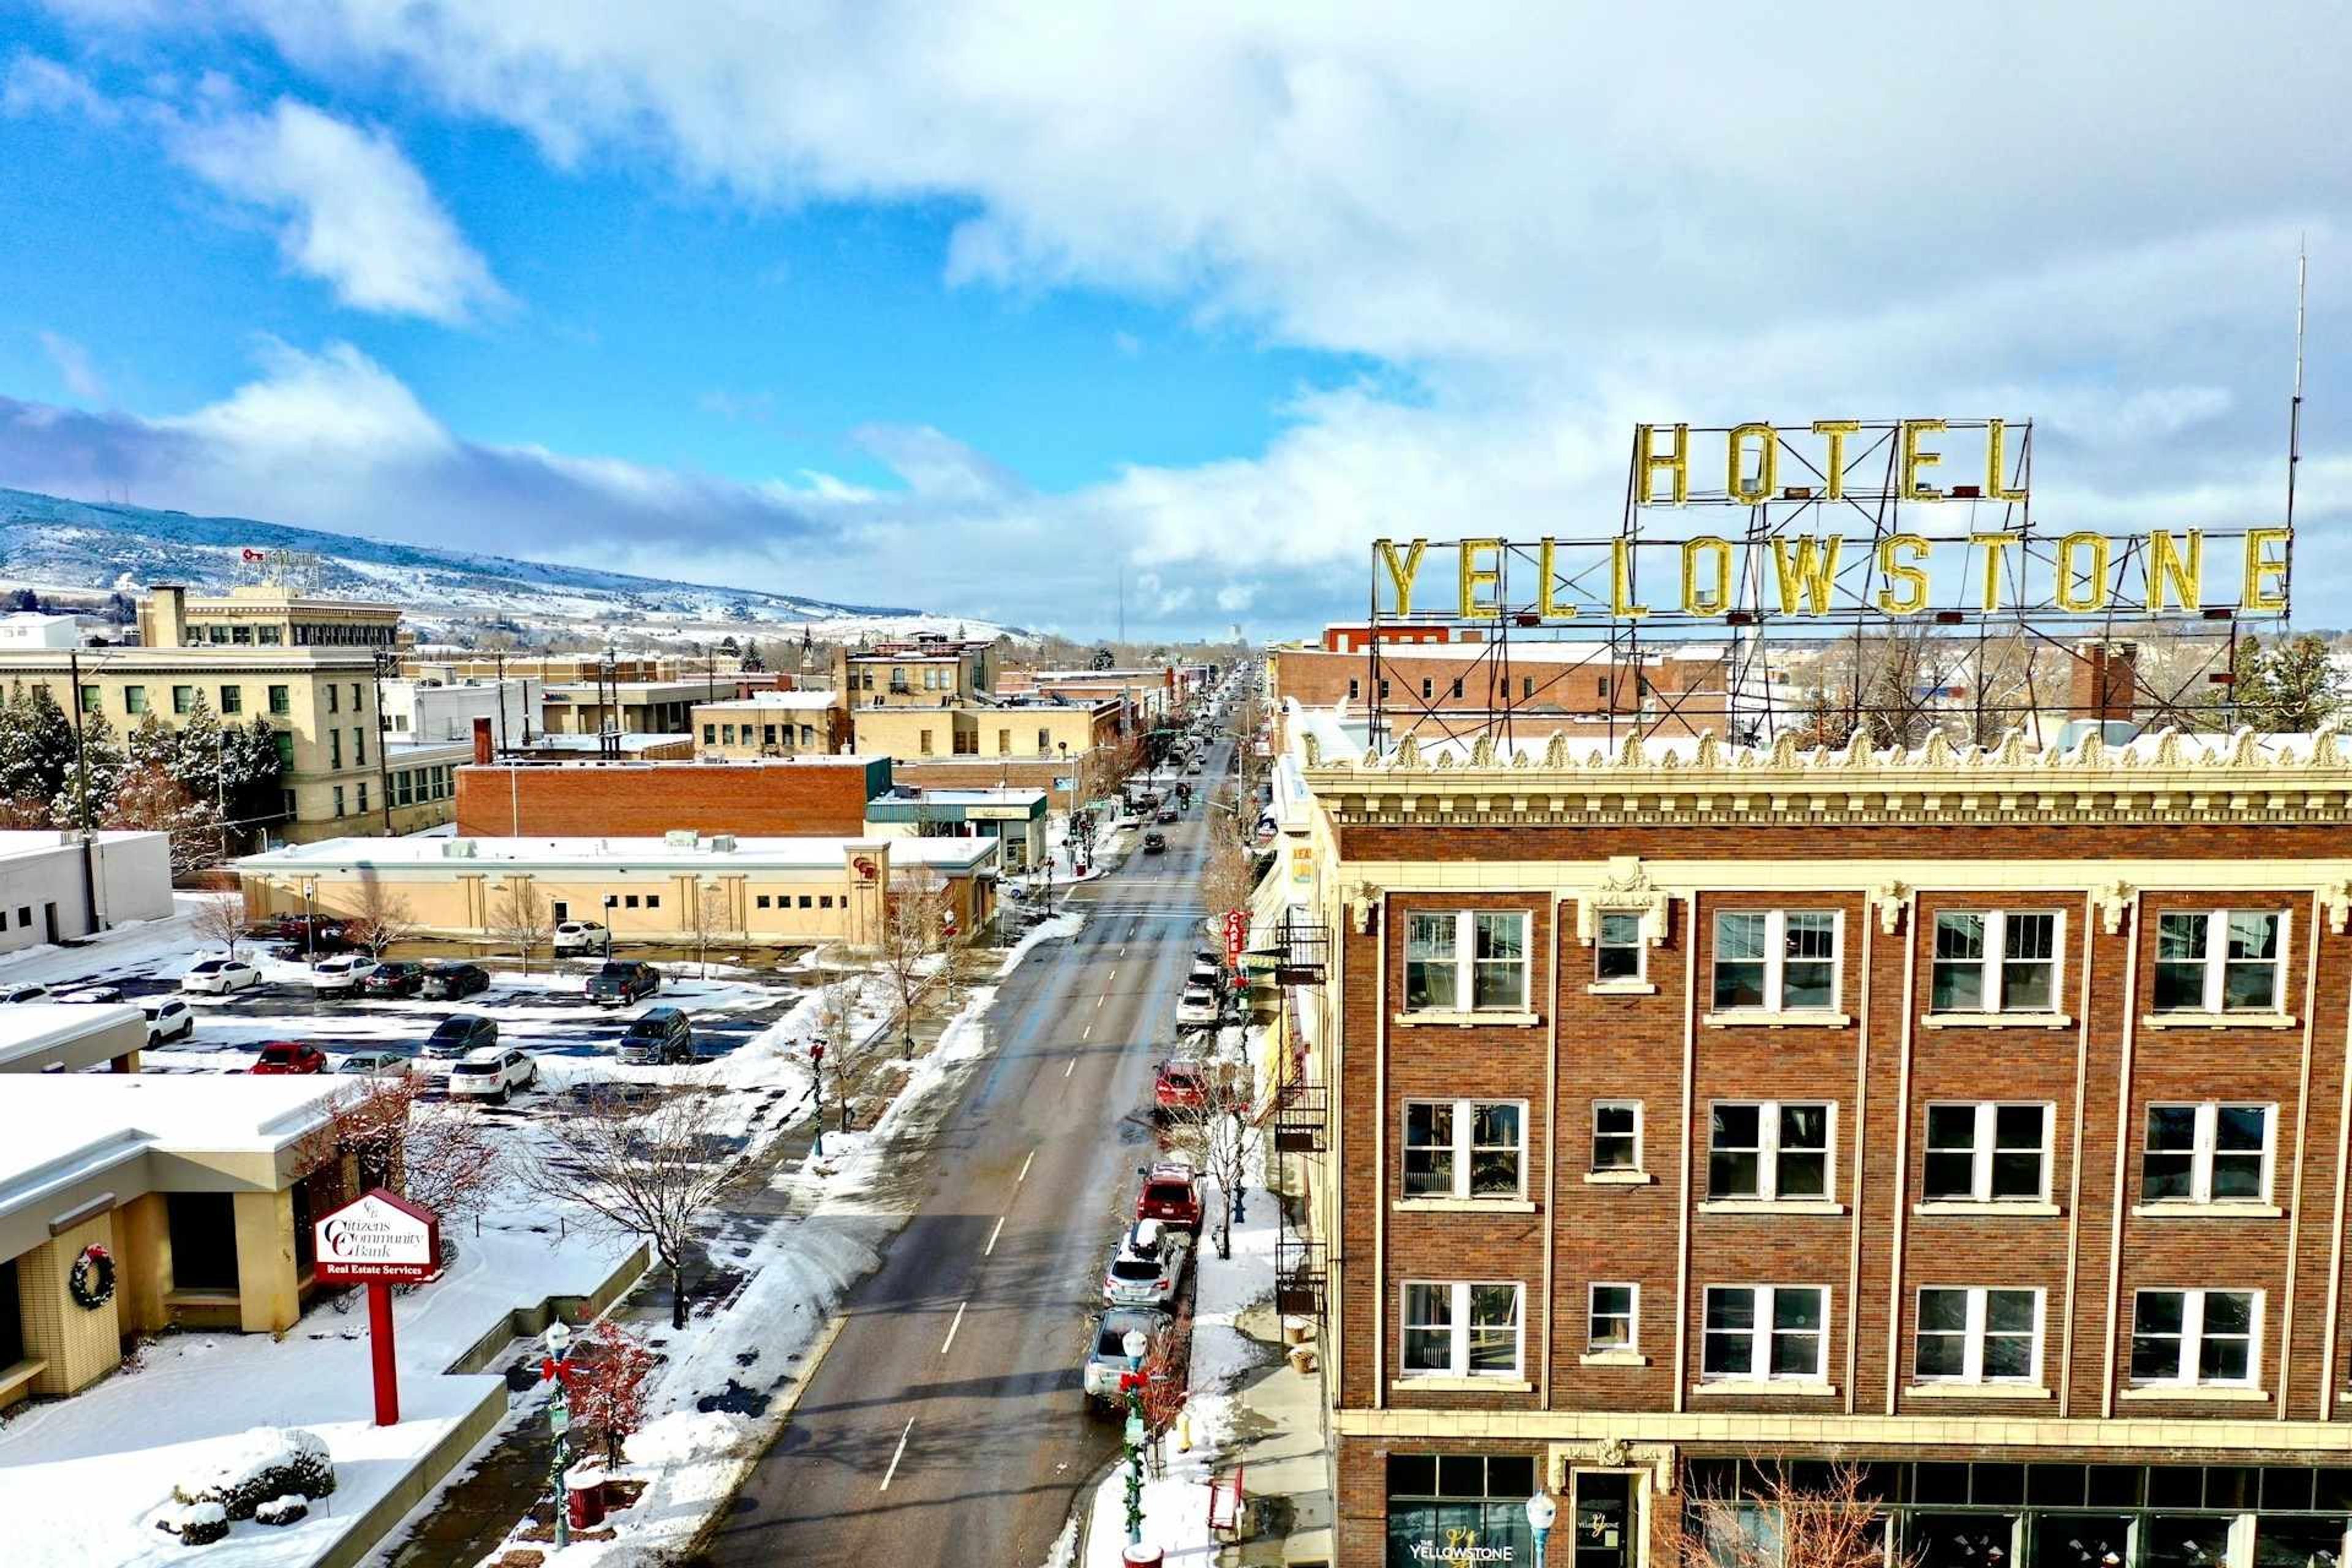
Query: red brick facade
point(804, 798)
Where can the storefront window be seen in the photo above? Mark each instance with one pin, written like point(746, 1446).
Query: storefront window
point(2186, 1540)
point(1459, 1508)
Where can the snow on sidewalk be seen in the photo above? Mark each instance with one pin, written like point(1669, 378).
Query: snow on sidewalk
point(1176, 1504)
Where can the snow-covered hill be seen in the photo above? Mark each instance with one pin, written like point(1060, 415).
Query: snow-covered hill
point(52, 544)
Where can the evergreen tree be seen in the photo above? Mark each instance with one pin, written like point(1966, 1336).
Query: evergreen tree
point(22, 776)
point(250, 769)
point(201, 752)
point(99, 770)
point(153, 744)
point(752, 657)
point(2290, 687)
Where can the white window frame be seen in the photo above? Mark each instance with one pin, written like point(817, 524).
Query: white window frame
point(1639, 946)
point(1983, 1147)
point(1465, 1120)
point(1776, 959)
point(1768, 1153)
point(1466, 961)
point(1759, 1353)
point(1973, 1334)
point(2192, 1339)
point(1992, 963)
point(2217, 960)
point(2205, 1144)
point(1640, 1155)
point(1458, 1329)
point(1632, 1345)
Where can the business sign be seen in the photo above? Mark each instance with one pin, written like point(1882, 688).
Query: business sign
point(996, 814)
point(1302, 866)
point(1237, 933)
point(380, 1236)
point(1845, 520)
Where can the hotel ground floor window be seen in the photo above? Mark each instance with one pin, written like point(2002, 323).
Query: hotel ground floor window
point(204, 1241)
point(1472, 1506)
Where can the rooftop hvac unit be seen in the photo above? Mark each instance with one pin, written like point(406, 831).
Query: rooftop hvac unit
point(722, 844)
point(457, 850)
point(680, 838)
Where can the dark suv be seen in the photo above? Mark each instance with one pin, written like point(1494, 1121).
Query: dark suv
point(657, 1038)
point(622, 980)
point(460, 1033)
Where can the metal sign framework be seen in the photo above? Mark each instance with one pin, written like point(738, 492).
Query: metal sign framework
point(1952, 662)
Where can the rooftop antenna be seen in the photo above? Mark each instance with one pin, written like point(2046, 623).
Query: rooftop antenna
point(2294, 406)
point(1122, 601)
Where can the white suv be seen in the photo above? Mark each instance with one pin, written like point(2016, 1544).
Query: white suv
point(342, 974)
point(1197, 1009)
point(492, 1073)
point(581, 936)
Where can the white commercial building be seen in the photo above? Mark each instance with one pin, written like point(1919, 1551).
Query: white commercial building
point(27, 629)
point(433, 710)
point(45, 889)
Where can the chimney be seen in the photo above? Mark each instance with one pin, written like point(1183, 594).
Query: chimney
point(2104, 680)
point(482, 740)
point(167, 610)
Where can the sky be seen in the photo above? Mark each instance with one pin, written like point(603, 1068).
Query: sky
point(1013, 312)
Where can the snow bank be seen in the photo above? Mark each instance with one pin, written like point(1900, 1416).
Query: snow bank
point(685, 1436)
point(263, 1464)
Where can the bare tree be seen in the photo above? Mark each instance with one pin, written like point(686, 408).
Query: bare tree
point(709, 915)
point(641, 1164)
point(1784, 1522)
point(520, 919)
point(1228, 876)
point(1218, 1136)
point(913, 938)
point(836, 1015)
point(382, 919)
point(382, 1133)
point(220, 917)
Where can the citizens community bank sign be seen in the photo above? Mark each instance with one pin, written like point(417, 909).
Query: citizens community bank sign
point(378, 1237)
point(1837, 520)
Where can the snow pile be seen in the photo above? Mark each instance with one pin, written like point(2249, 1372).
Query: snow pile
point(685, 1436)
point(282, 1510)
point(264, 1464)
point(196, 1524)
point(1061, 927)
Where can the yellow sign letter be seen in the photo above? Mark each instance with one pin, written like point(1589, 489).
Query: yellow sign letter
point(1401, 573)
point(1717, 603)
point(1837, 430)
point(2083, 588)
point(1913, 581)
point(1768, 466)
point(1996, 546)
point(1996, 437)
point(1677, 463)
point(2169, 567)
point(1915, 462)
point(1812, 568)
point(1620, 582)
point(2260, 569)
point(1474, 577)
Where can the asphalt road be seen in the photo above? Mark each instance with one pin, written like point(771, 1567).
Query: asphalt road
point(946, 1425)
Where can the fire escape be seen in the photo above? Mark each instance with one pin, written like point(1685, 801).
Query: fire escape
point(1302, 1113)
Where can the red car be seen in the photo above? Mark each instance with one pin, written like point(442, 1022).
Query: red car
point(1171, 1195)
point(1180, 1086)
point(283, 1057)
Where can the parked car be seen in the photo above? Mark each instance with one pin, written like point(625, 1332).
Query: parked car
point(1148, 1269)
point(342, 975)
point(1194, 766)
point(1167, 814)
point(493, 1074)
point(281, 1057)
point(91, 994)
point(460, 1034)
point(1171, 1193)
point(395, 979)
point(449, 982)
point(1177, 1087)
point(168, 1018)
point(657, 1038)
point(1107, 1349)
point(622, 980)
point(375, 1064)
point(11, 995)
point(312, 933)
point(1206, 970)
point(581, 936)
point(1196, 1009)
point(1155, 843)
point(219, 976)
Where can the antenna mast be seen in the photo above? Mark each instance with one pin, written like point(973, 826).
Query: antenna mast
point(2295, 406)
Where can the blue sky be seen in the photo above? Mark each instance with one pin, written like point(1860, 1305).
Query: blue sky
point(973, 307)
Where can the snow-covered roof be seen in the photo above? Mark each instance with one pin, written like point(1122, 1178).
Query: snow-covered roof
point(34, 1034)
point(800, 702)
point(705, 854)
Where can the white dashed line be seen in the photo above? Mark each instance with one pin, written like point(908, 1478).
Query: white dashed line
point(953, 1327)
point(990, 1249)
point(899, 1455)
point(1071, 1067)
point(1025, 1170)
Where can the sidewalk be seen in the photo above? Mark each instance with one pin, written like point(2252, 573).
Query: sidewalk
point(1279, 1441)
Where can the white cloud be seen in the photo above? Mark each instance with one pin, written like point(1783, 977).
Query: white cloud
point(74, 367)
point(355, 212)
point(38, 85)
point(1236, 596)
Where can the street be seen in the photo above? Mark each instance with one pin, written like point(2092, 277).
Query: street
point(946, 1423)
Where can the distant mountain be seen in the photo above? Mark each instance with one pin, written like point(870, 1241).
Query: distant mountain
point(49, 543)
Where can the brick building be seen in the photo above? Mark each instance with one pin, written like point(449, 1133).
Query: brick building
point(1443, 690)
point(1975, 1117)
point(775, 797)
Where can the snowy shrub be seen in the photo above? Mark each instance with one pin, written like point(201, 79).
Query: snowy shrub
point(281, 1511)
point(264, 1463)
point(198, 1524)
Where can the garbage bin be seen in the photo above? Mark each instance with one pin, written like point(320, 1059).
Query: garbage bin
point(585, 1485)
point(1141, 1557)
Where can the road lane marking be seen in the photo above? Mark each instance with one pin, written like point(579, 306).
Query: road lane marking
point(1025, 1170)
point(990, 1249)
point(1098, 1001)
point(1114, 975)
point(1089, 1034)
point(899, 1455)
point(954, 1326)
point(1068, 1070)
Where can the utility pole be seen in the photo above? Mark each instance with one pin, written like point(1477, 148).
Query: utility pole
point(385, 659)
point(81, 793)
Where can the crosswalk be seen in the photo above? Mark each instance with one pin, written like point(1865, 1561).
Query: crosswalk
point(1142, 908)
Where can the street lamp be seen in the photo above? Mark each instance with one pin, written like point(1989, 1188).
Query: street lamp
point(1135, 1344)
point(555, 1369)
point(1541, 1511)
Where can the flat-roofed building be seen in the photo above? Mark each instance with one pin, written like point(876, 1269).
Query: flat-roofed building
point(771, 724)
point(918, 672)
point(644, 707)
point(45, 897)
point(770, 797)
point(1015, 818)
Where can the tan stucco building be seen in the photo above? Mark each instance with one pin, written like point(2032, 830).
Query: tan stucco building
point(770, 724)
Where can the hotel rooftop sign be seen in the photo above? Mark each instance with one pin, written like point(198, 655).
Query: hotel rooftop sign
point(1845, 520)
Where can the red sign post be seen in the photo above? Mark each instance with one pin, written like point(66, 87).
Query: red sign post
point(379, 1239)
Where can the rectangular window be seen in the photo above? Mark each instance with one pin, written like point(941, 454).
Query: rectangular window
point(2208, 1154)
point(1609, 1319)
point(334, 747)
point(764, 900)
point(363, 805)
point(89, 699)
point(282, 700)
point(1782, 960)
point(2219, 960)
point(1461, 1330)
point(1617, 945)
point(184, 700)
point(1987, 1153)
point(135, 700)
point(710, 734)
point(652, 900)
point(1464, 1149)
point(1767, 1332)
point(232, 699)
point(242, 636)
point(359, 747)
point(2195, 1337)
point(1617, 1135)
point(271, 636)
point(1766, 1149)
point(1355, 689)
point(285, 744)
point(1427, 689)
point(805, 900)
point(824, 901)
point(1974, 1334)
point(1477, 955)
point(926, 747)
point(334, 702)
point(725, 734)
point(2003, 961)
point(1457, 689)
point(358, 703)
point(339, 800)
point(629, 902)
